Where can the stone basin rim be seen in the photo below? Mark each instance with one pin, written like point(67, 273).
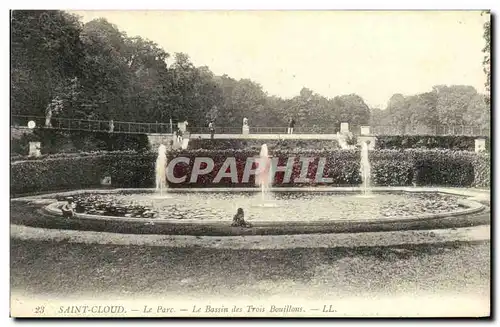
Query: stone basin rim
point(341, 189)
point(471, 207)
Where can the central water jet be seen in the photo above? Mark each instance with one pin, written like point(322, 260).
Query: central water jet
point(365, 168)
point(263, 174)
point(161, 167)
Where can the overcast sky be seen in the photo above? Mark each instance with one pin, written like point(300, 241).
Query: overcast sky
point(374, 54)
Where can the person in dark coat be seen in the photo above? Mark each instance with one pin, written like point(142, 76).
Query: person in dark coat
point(211, 128)
point(291, 125)
point(239, 219)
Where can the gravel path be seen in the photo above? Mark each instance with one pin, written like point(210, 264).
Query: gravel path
point(477, 233)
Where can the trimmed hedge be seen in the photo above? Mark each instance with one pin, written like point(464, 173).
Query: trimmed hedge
point(17, 158)
point(389, 167)
point(482, 170)
point(446, 167)
point(256, 144)
point(451, 142)
point(56, 141)
point(341, 176)
point(131, 170)
point(50, 174)
point(392, 172)
point(137, 170)
point(384, 142)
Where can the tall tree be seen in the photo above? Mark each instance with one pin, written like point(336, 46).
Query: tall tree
point(452, 102)
point(96, 71)
point(352, 109)
point(423, 117)
point(486, 51)
point(107, 77)
point(148, 95)
point(243, 98)
point(478, 112)
point(46, 57)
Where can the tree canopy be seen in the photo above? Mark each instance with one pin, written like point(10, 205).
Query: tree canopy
point(96, 71)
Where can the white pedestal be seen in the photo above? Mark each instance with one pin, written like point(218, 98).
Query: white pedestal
point(344, 127)
point(246, 130)
point(365, 130)
point(35, 149)
point(480, 144)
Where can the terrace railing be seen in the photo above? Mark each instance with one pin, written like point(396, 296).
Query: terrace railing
point(71, 124)
point(437, 130)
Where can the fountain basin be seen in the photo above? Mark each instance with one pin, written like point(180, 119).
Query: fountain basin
point(287, 207)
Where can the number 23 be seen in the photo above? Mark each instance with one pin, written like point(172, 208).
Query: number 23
point(39, 310)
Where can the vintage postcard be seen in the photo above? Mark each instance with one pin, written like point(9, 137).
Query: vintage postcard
point(250, 164)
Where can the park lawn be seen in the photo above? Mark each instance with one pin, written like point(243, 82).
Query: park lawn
point(71, 269)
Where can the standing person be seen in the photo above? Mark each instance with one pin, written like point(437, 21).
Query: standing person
point(111, 126)
point(179, 136)
point(211, 129)
point(291, 125)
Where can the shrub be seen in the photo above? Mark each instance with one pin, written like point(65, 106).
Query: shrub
point(255, 144)
point(78, 171)
point(351, 139)
point(392, 173)
point(452, 142)
point(50, 174)
point(57, 141)
point(342, 166)
point(482, 170)
point(443, 167)
point(16, 158)
point(126, 142)
point(131, 170)
point(19, 146)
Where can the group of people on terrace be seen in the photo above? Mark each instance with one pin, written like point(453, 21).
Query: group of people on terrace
point(246, 127)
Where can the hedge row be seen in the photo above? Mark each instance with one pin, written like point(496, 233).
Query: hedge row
point(53, 174)
point(482, 170)
point(125, 169)
point(55, 141)
point(388, 167)
point(451, 142)
point(137, 170)
point(341, 175)
point(67, 155)
point(256, 144)
point(389, 142)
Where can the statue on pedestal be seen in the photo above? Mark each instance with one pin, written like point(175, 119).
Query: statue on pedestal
point(246, 128)
point(54, 107)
